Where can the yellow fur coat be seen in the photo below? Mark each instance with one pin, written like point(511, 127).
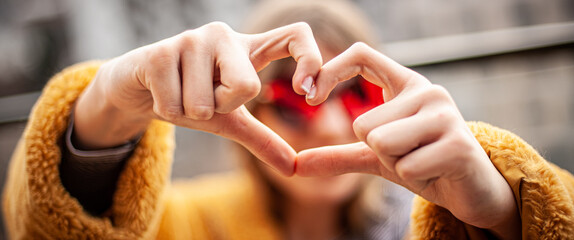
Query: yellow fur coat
point(147, 206)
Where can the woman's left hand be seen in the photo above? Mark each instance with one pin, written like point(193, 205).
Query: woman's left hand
point(417, 139)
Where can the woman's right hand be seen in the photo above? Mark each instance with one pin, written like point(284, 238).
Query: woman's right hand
point(198, 79)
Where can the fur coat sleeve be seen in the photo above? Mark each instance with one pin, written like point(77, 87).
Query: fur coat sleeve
point(543, 192)
point(36, 205)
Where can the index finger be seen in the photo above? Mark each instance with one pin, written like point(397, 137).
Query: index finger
point(360, 59)
point(295, 40)
point(241, 127)
point(260, 140)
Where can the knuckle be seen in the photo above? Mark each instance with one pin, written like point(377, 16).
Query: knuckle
point(220, 29)
point(160, 56)
point(458, 142)
point(298, 32)
point(199, 112)
point(444, 115)
point(359, 126)
point(189, 38)
point(169, 113)
point(218, 26)
point(359, 52)
point(360, 48)
point(189, 33)
point(301, 27)
point(378, 143)
point(461, 148)
point(436, 92)
point(265, 144)
point(248, 89)
point(405, 173)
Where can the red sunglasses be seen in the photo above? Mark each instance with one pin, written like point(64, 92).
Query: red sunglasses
point(357, 98)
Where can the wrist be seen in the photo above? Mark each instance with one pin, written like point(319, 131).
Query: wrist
point(100, 124)
point(508, 224)
point(511, 228)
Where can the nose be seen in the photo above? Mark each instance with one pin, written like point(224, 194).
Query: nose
point(332, 125)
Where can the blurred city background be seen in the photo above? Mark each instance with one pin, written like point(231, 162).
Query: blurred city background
point(509, 63)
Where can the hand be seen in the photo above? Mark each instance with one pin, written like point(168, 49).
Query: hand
point(198, 79)
point(417, 139)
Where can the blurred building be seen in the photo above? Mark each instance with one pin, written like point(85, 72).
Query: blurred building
point(509, 63)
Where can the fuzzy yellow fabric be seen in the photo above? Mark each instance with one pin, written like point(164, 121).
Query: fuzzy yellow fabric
point(36, 205)
point(147, 206)
point(544, 192)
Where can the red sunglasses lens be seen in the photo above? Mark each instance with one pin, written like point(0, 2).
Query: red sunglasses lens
point(361, 97)
point(283, 96)
point(357, 99)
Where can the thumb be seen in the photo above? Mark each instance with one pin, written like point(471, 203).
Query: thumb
point(340, 159)
point(335, 160)
point(259, 139)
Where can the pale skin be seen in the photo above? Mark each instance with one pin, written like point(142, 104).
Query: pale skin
point(312, 210)
point(417, 139)
point(192, 81)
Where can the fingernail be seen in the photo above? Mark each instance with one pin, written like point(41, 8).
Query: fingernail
point(312, 93)
point(307, 83)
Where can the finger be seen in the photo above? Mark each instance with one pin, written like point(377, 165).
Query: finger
point(422, 167)
point(163, 80)
point(375, 67)
point(400, 107)
point(459, 142)
point(241, 127)
point(239, 80)
point(428, 101)
point(340, 159)
point(294, 40)
point(335, 160)
point(423, 164)
point(396, 139)
point(197, 84)
point(259, 139)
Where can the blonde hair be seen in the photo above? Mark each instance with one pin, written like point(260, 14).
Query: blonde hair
point(337, 24)
point(337, 20)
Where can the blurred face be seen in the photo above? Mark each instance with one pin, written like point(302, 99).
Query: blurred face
point(304, 127)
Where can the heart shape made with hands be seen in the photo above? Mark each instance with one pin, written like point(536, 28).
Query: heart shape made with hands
point(403, 140)
point(269, 147)
point(181, 96)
